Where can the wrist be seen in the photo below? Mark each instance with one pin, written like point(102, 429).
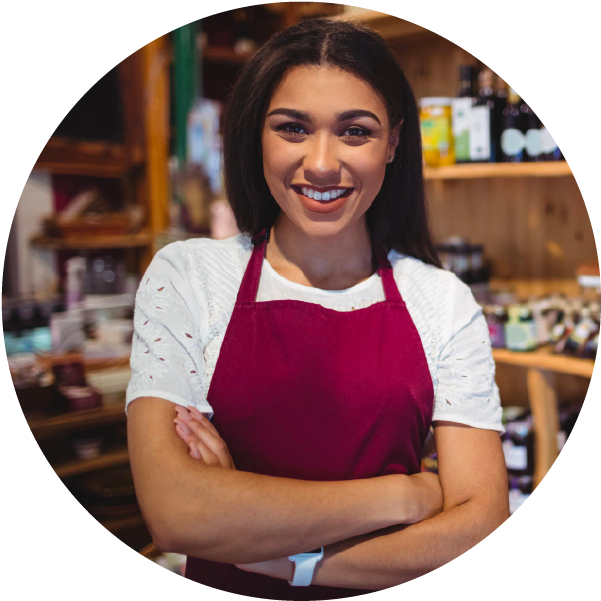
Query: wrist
point(400, 499)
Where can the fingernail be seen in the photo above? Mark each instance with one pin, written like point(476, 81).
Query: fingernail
point(183, 412)
point(182, 425)
point(195, 450)
point(196, 413)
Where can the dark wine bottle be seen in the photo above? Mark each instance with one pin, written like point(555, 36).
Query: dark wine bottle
point(483, 126)
point(513, 140)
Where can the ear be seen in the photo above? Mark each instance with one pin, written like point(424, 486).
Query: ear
point(393, 140)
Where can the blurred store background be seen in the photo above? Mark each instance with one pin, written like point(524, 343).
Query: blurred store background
point(136, 165)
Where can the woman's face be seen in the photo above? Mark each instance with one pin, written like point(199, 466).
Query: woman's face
point(326, 140)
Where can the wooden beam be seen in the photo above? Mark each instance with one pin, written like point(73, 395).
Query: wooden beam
point(156, 119)
point(543, 403)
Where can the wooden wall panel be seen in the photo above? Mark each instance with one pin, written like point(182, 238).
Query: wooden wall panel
point(531, 227)
point(432, 65)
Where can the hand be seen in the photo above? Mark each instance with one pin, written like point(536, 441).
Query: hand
point(202, 438)
point(428, 495)
point(276, 568)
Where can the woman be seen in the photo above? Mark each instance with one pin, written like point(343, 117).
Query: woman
point(322, 343)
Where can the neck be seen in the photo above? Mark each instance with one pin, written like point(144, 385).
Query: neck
point(332, 263)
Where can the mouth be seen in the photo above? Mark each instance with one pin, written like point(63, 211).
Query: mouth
point(324, 197)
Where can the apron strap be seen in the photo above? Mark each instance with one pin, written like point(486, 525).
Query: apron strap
point(391, 290)
point(250, 281)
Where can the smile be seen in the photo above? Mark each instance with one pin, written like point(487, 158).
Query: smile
point(327, 195)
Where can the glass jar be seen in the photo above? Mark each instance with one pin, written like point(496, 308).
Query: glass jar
point(437, 133)
point(520, 330)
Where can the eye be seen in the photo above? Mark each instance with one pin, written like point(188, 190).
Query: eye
point(292, 130)
point(356, 133)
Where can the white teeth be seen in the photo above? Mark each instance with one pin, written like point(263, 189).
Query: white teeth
point(329, 195)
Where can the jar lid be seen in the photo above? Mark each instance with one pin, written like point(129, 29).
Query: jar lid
point(435, 101)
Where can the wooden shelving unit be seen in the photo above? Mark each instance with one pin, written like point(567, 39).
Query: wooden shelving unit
point(531, 219)
point(140, 160)
point(542, 367)
point(499, 170)
point(93, 158)
point(81, 466)
point(139, 240)
point(76, 420)
point(546, 360)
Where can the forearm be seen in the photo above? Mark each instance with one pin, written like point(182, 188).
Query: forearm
point(240, 517)
point(400, 553)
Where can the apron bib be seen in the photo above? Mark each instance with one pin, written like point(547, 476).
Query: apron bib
point(302, 391)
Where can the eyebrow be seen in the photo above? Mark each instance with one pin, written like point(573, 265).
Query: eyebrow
point(345, 116)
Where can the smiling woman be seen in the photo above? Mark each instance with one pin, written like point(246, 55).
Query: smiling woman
point(305, 360)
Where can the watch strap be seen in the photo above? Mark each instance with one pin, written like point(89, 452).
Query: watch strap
point(303, 571)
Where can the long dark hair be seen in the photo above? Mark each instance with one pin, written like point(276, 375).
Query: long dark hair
point(398, 216)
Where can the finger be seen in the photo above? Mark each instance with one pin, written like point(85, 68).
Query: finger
point(183, 413)
point(204, 421)
point(185, 429)
point(186, 437)
point(199, 449)
point(214, 444)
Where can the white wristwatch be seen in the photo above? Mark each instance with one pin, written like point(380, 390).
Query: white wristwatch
point(305, 566)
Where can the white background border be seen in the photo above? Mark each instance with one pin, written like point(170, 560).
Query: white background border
point(52, 53)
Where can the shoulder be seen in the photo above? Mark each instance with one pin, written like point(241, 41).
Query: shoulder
point(197, 254)
point(427, 287)
point(206, 264)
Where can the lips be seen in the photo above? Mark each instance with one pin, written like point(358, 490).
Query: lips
point(317, 195)
point(322, 206)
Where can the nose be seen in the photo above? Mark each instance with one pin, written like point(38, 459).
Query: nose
point(321, 160)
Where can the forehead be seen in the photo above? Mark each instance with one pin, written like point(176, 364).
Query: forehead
point(326, 91)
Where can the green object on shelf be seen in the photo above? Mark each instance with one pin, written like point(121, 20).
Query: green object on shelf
point(185, 84)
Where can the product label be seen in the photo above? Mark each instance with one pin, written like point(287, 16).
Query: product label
point(480, 133)
point(461, 127)
point(436, 135)
point(512, 142)
point(521, 336)
point(516, 458)
point(534, 143)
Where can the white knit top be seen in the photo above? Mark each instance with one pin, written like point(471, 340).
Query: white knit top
point(186, 298)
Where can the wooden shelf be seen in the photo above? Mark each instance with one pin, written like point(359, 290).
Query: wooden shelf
point(76, 420)
point(82, 466)
point(546, 360)
point(223, 55)
point(525, 288)
point(123, 523)
point(139, 240)
point(501, 170)
point(100, 159)
point(389, 27)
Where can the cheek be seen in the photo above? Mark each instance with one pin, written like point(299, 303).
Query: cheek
point(277, 162)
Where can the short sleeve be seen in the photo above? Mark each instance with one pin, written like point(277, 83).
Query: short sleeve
point(466, 392)
point(167, 347)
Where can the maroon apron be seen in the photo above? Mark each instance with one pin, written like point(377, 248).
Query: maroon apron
point(302, 391)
